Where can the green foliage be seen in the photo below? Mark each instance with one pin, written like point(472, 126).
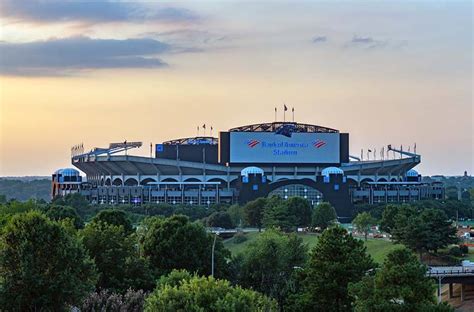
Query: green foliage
point(237, 214)
point(253, 212)
point(11, 208)
point(387, 223)
point(451, 192)
point(115, 217)
point(269, 262)
point(57, 213)
point(239, 238)
point(337, 260)
point(376, 209)
point(455, 251)
point(278, 216)
point(301, 209)
point(220, 219)
point(43, 266)
point(428, 230)
point(116, 258)
point(452, 208)
point(176, 243)
point(23, 190)
point(400, 285)
point(194, 293)
point(74, 200)
point(324, 215)
point(464, 249)
point(363, 222)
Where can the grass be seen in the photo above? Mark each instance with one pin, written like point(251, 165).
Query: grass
point(470, 256)
point(377, 248)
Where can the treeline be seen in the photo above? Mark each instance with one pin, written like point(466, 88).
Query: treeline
point(275, 212)
point(50, 260)
point(25, 189)
point(453, 208)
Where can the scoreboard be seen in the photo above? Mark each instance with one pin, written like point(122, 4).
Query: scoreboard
point(270, 147)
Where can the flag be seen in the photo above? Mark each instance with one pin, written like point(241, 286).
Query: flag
point(275, 109)
point(293, 109)
point(204, 126)
point(285, 108)
point(370, 151)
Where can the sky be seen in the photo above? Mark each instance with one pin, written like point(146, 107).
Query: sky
point(96, 72)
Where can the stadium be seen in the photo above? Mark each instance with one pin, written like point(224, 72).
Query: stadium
point(279, 158)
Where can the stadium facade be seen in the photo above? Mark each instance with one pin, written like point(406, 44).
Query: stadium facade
point(280, 158)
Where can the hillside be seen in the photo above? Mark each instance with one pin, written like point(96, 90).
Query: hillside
point(24, 189)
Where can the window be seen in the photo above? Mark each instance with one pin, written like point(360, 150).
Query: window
point(311, 194)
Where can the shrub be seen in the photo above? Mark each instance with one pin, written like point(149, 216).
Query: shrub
point(131, 301)
point(239, 238)
point(455, 251)
point(464, 249)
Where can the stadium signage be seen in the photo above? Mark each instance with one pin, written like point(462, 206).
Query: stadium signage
point(282, 148)
point(267, 147)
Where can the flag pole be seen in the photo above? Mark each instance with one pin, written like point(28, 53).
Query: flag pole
point(275, 114)
point(293, 113)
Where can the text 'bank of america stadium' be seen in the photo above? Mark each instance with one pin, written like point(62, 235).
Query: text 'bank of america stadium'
point(281, 158)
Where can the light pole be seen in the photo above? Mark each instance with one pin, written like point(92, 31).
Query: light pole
point(212, 258)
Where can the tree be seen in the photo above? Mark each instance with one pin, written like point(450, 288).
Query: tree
point(400, 285)
point(301, 209)
point(56, 213)
point(337, 260)
point(185, 292)
point(43, 266)
point(175, 243)
point(363, 222)
point(220, 219)
point(237, 215)
point(323, 216)
point(387, 223)
point(253, 211)
point(74, 200)
point(116, 258)
point(428, 230)
point(442, 231)
point(278, 216)
point(269, 262)
point(115, 217)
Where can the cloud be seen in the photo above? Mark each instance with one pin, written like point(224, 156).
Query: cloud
point(70, 55)
point(319, 39)
point(366, 42)
point(98, 11)
point(190, 37)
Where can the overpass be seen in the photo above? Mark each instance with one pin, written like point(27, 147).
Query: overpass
point(451, 275)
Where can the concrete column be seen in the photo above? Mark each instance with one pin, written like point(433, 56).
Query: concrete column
point(450, 296)
point(462, 292)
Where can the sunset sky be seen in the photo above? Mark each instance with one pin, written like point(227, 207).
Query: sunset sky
point(387, 72)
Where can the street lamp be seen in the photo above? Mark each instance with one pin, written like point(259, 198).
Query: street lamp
point(213, 248)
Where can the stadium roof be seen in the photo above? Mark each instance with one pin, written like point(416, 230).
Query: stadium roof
point(274, 126)
point(132, 165)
